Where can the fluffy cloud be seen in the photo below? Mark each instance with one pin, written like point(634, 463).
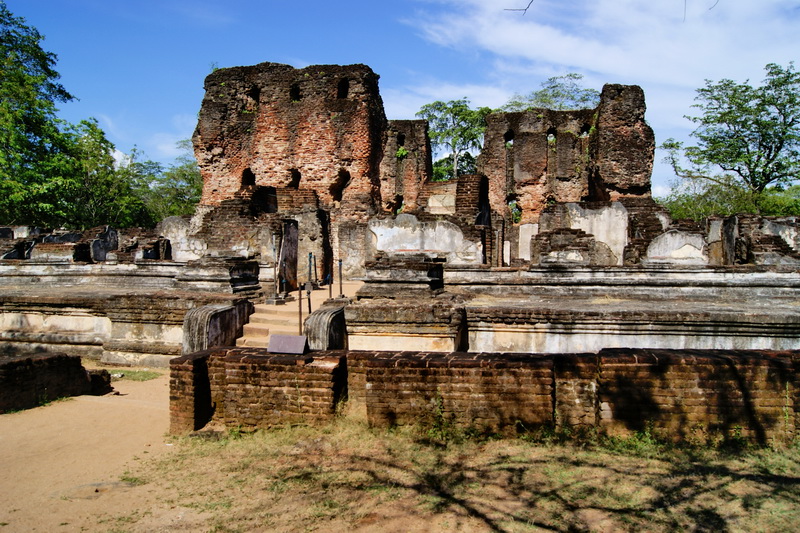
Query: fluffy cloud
point(669, 48)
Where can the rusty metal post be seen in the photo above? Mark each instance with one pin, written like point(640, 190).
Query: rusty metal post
point(341, 290)
point(300, 310)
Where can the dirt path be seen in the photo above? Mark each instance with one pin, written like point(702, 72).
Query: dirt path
point(63, 464)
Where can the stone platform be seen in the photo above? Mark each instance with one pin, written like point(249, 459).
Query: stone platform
point(584, 309)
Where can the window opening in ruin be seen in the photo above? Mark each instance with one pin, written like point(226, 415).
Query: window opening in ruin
point(326, 261)
point(551, 135)
point(248, 178)
point(508, 137)
point(294, 93)
point(514, 210)
point(396, 206)
point(265, 200)
point(254, 93)
point(343, 89)
point(338, 187)
point(401, 139)
point(294, 179)
point(484, 217)
point(585, 129)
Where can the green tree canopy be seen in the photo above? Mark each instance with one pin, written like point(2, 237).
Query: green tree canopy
point(559, 93)
point(55, 174)
point(32, 145)
point(443, 168)
point(173, 191)
point(748, 138)
point(697, 200)
point(455, 127)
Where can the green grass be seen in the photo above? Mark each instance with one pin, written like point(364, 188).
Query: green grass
point(347, 476)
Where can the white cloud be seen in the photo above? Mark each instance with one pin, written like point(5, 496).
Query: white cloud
point(403, 103)
point(652, 44)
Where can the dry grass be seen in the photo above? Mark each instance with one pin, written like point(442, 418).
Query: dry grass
point(345, 477)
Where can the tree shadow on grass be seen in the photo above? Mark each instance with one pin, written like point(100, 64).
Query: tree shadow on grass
point(551, 488)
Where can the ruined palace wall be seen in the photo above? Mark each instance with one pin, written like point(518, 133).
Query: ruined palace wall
point(690, 395)
point(316, 128)
point(406, 164)
point(540, 157)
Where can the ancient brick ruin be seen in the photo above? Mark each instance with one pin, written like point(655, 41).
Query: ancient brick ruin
point(531, 278)
point(694, 395)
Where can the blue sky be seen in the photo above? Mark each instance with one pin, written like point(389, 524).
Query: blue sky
point(138, 65)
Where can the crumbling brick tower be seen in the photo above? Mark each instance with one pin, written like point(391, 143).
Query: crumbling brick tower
point(314, 134)
point(542, 157)
point(271, 125)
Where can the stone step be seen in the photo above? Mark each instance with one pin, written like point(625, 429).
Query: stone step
point(262, 318)
point(256, 330)
point(276, 310)
point(253, 342)
point(284, 330)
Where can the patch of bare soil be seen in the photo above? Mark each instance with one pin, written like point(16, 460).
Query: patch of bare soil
point(64, 465)
point(104, 464)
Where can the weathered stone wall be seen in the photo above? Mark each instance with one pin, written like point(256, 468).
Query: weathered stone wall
point(118, 327)
point(691, 395)
point(30, 381)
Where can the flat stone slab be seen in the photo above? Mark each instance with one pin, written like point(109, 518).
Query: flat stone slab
point(289, 344)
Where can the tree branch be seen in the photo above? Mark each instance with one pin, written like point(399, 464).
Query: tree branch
point(525, 10)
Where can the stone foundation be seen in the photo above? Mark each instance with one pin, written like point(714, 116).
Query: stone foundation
point(694, 395)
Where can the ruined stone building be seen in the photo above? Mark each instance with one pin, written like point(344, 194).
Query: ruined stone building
point(309, 154)
point(554, 247)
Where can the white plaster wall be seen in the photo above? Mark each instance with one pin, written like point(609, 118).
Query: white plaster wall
point(442, 204)
point(406, 233)
point(75, 322)
point(526, 233)
point(543, 338)
point(609, 225)
point(184, 246)
point(678, 248)
point(788, 232)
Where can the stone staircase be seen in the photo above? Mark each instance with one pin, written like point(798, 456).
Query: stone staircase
point(269, 319)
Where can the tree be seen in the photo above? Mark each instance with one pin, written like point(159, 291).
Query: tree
point(748, 138)
point(97, 192)
point(443, 168)
point(32, 145)
point(56, 174)
point(559, 93)
point(455, 126)
point(171, 192)
point(697, 200)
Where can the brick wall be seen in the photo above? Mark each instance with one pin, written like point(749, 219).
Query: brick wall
point(403, 176)
point(696, 395)
point(690, 394)
point(271, 124)
point(253, 389)
point(26, 382)
point(474, 390)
